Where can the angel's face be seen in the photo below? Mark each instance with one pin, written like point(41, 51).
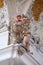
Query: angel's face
point(19, 17)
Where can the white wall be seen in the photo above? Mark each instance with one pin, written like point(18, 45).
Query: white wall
point(3, 39)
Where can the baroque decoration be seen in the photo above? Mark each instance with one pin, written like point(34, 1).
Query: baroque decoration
point(37, 8)
point(1, 3)
point(21, 28)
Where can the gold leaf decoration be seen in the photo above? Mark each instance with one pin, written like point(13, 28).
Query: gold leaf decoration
point(37, 8)
point(1, 3)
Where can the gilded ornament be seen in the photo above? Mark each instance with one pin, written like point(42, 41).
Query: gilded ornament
point(37, 8)
point(1, 3)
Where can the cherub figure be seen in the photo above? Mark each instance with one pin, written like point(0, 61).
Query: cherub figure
point(21, 31)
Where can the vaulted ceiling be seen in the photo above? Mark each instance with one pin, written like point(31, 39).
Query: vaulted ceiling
point(24, 7)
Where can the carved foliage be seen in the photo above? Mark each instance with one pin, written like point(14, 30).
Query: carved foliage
point(37, 8)
point(1, 3)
